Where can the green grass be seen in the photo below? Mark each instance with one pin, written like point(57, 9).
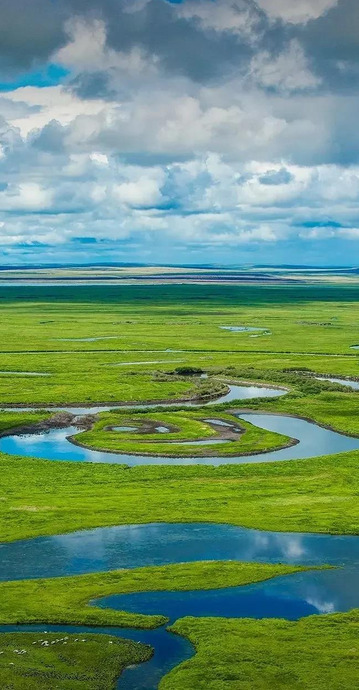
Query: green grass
point(65, 600)
point(309, 326)
point(189, 426)
point(306, 322)
point(69, 662)
point(315, 653)
point(40, 497)
point(340, 411)
point(13, 420)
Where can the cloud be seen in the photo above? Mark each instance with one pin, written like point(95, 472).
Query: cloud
point(288, 71)
point(202, 126)
point(144, 192)
point(28, 34)
point(28, 196)
point(276, 177)
point(232, 16)
point(49, 104)
point(296, 11)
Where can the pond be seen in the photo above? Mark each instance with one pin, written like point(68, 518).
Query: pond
point(124, 428)
point(131, 546)
point(88, 340)
point(24, 373)
point(153, 361)
point(244, 329)
point(221, 423)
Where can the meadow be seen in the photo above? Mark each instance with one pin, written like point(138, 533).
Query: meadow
point(255, 655)
point(187, 426)
point(66, 600)
point(30, 661)
point(111, 344)
point(77, 336)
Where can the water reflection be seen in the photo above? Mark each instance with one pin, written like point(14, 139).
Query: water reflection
point(343, 382)
point(313, 441)
point(131, 546)
point(290, 597)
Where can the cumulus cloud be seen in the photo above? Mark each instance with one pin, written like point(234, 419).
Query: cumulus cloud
point(233, 16)
point(288, 71)
point(49, 104)
point(144, 192)
point(197, 126)
point(296, 11)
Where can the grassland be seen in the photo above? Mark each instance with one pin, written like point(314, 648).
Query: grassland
point(91, 662)
point(114, 344)
point(139, 324)
point(9, 421)
point(40, 497)
point(314, 653)
point(65, 600)
point(188, 426)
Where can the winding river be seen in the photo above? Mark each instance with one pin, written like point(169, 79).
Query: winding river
point(131, 546)
point(313, 440)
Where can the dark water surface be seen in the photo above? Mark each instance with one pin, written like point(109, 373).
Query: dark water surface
point(133, 546)
point(291, 597)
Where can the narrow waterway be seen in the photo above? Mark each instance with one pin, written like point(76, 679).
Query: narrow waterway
point(313, 440)
point(235, 392)
point(104, 549)
point(349, 383)
point(131, 546)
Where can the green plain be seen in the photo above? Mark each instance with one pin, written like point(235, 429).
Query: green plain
point(315, 653)
point(34, 661)
point(43, 330)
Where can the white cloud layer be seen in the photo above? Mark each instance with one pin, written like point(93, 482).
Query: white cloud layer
point(134, 148)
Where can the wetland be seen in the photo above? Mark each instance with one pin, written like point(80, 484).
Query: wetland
point(142, 525)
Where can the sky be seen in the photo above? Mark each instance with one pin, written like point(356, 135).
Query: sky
point(193, 131)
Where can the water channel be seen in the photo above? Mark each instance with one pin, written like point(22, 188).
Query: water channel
point(290, 597)
point(104, 549)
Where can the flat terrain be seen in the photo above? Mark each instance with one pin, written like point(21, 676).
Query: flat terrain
point(63, 346)
point(30, 661)
point(123, 274)
point(104, 344)
point(315, 652)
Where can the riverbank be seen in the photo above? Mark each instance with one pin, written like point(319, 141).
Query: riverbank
point(43, 497)
point(65, 600)
point(315, 653)
point(35, 661)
